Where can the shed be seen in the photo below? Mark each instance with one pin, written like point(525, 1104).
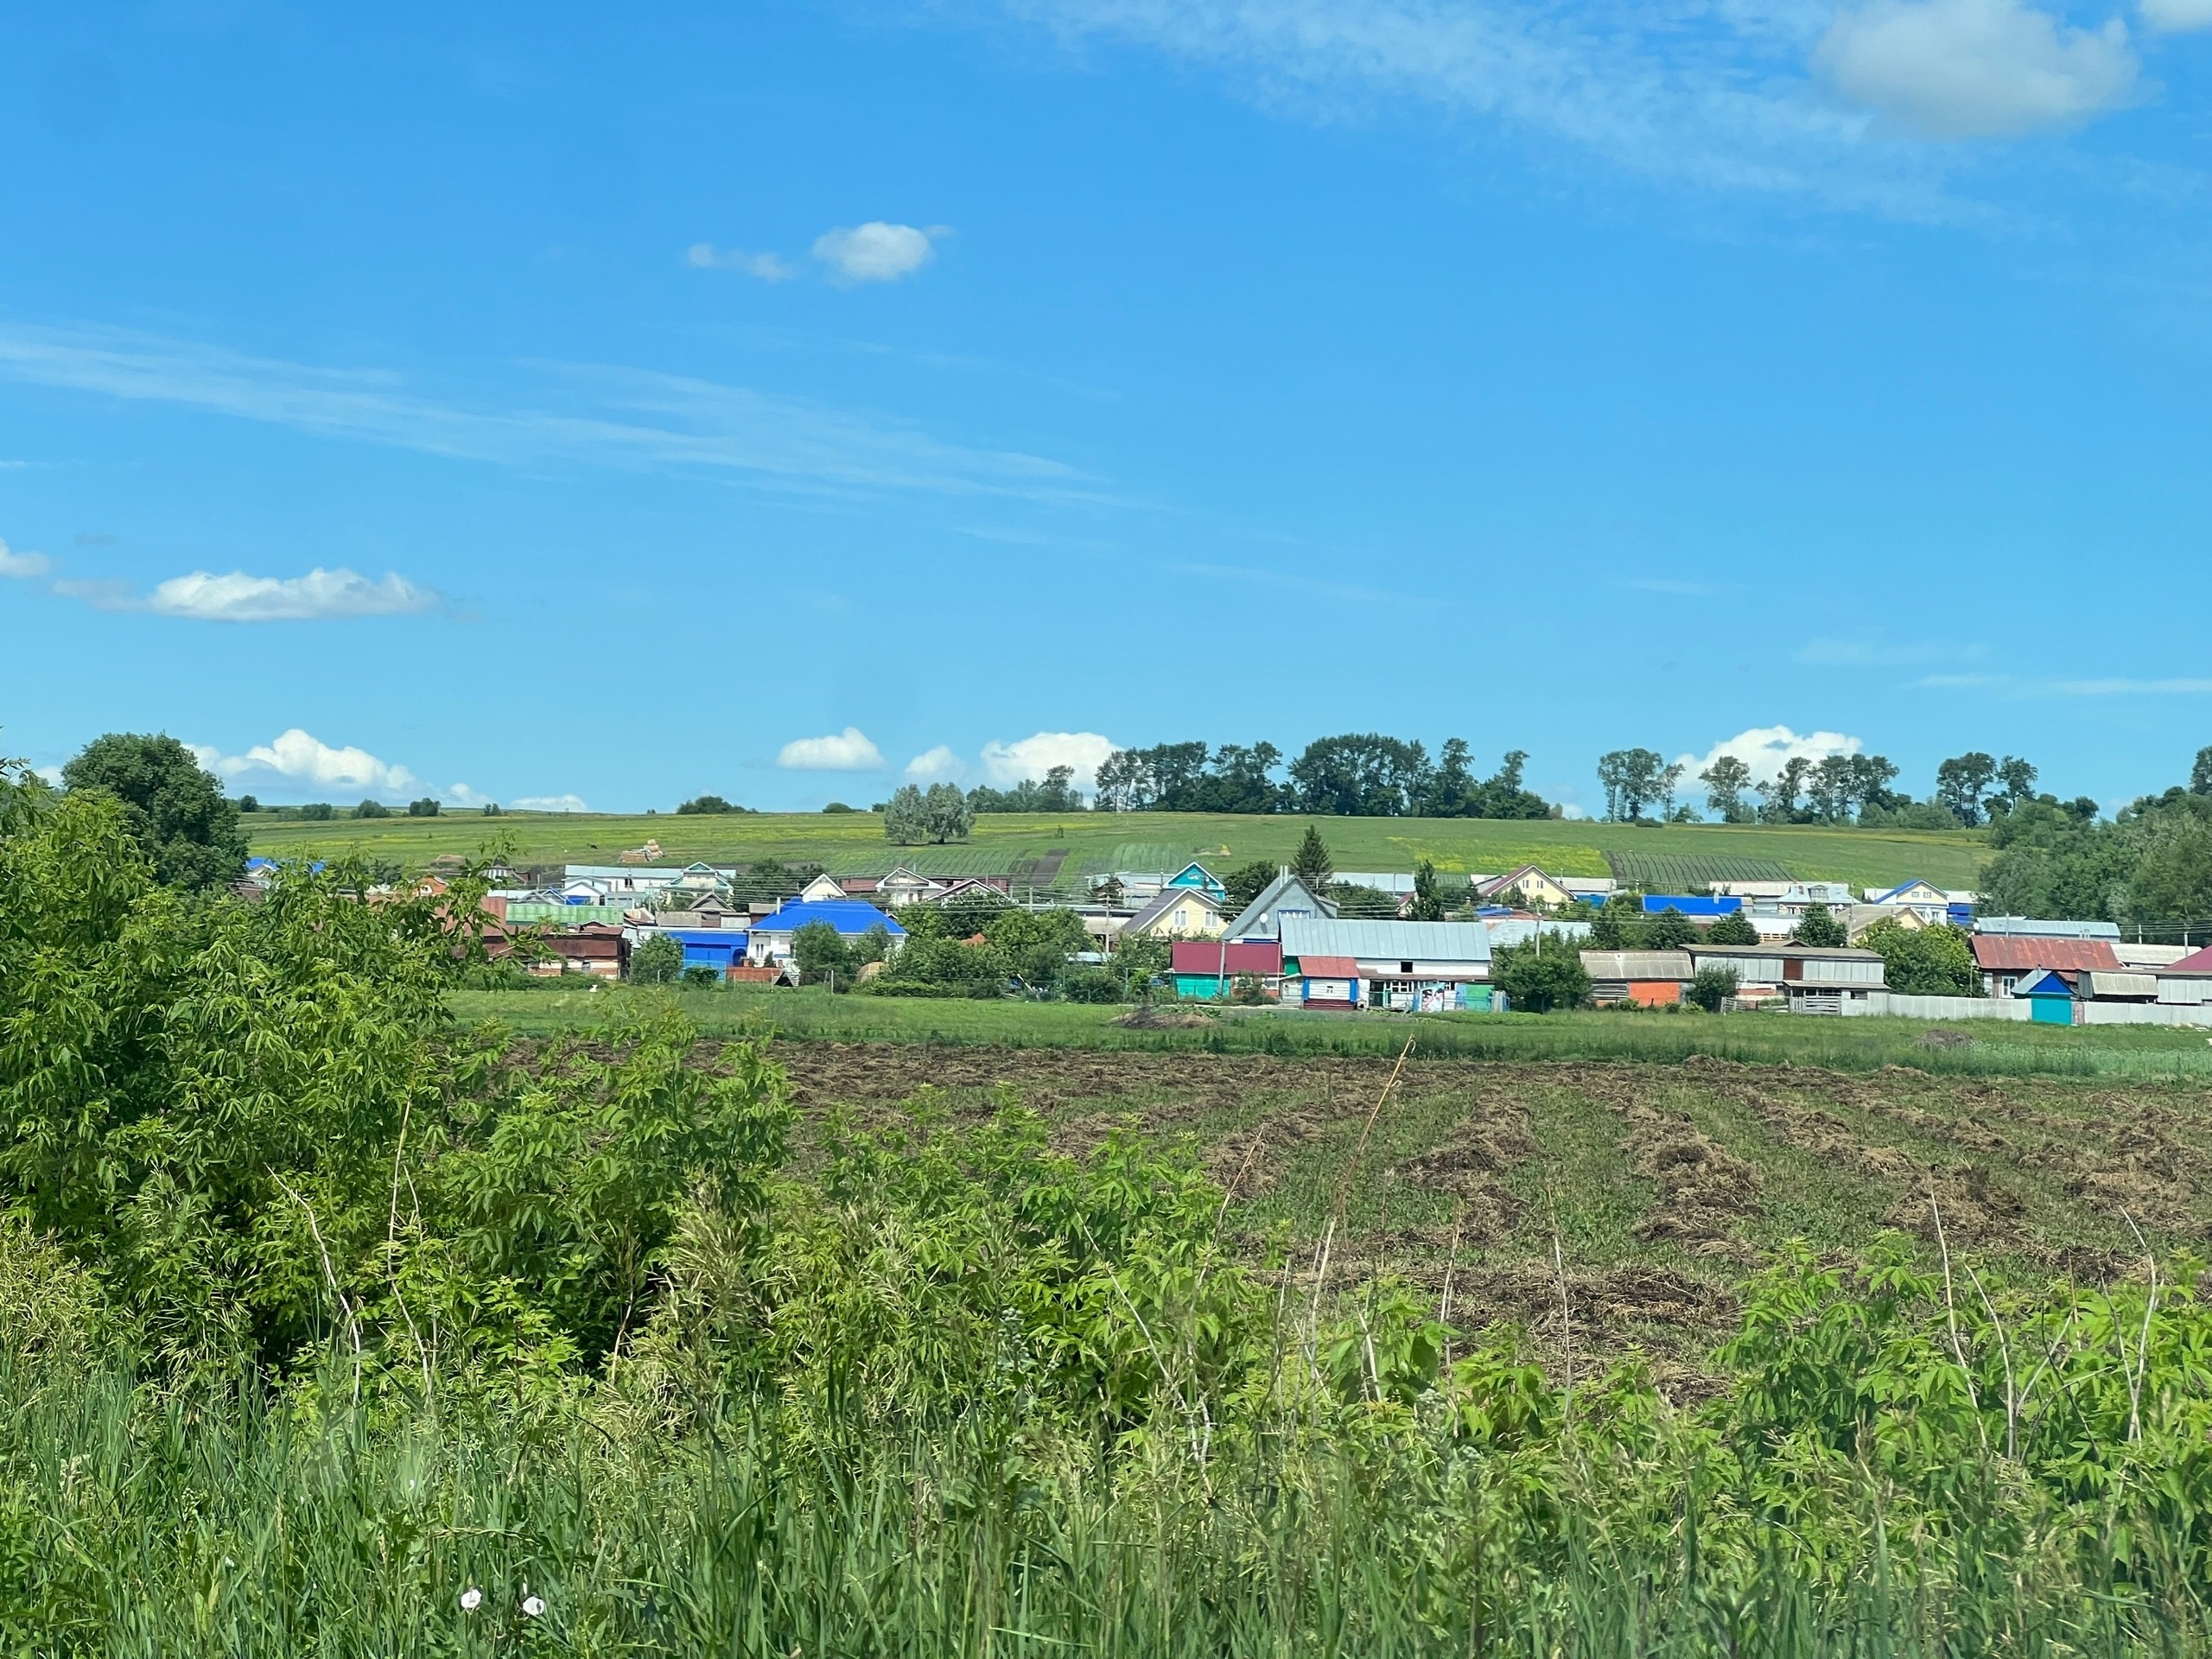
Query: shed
point(1646, 978)
point(2048, 995)
point(2120, 988)
point(716, 949)
point(1327, 982)
point(1209, 969)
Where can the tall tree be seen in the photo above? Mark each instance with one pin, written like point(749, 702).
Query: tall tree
point(2018, 778)
point(1781, 792)
point(907, 815)
point(1633, 780)
point(1962, 781)
point(1427, 904)
point(173, 810)
point(1725, 782)
point(2200, 775)
point(1312, 864)
point(945, 811)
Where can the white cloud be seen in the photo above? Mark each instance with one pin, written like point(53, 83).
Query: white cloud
point(1975, 68)
point(1885, 653)
point(1767, 749)
point(1032, 757)
point(2177, 17)
point(552, 804)
point(22, 566)
point(875, 251)
point(2182, 688)
point(847, 751)
point(320, 594)
point(304, 759)
point(936, 765)
point(768, 267)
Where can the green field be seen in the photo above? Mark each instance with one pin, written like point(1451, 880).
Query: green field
point(854, 844)
point(1990, 1048)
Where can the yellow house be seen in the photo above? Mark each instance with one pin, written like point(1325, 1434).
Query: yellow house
point(1530, 885)
point(1178, 913)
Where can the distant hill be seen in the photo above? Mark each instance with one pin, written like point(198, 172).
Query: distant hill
point(1060, 851)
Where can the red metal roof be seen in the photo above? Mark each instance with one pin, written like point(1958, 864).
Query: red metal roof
point(2199, 963)
point(1205, 957)
point(1329, 966)
point(2015, 953)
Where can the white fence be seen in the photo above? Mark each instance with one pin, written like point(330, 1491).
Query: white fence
point(2017, 1007)
point(2144, 1013)
point(1942, 1007)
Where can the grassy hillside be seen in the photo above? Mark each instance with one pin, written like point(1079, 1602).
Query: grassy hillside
point(854, 844)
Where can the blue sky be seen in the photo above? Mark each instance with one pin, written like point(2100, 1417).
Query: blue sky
point(543, 406)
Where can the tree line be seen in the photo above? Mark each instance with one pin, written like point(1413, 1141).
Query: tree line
point(1358, 774)
point(1971, 790)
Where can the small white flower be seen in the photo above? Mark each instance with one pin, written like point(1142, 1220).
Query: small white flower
point(471, 1599)
point(532, 1606)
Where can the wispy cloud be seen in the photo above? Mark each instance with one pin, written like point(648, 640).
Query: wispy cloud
point(615, 417)
point(2017, 685)
point(1317, 587)
point(1711, 95)
point(237, 597)
point(768, 267)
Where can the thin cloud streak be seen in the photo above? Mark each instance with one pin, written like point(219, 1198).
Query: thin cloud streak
point(1712, 96)
point(774, 442)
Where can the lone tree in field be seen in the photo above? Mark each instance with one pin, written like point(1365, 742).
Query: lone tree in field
point(1312, 864)
point(173, 810)
point(912, 817)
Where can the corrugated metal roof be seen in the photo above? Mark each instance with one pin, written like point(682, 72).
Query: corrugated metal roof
point(2200, 963)
point(2008, 954)
point(2143, 986)
point(1328, 967)
point(1636, 964)
point(2029, 927)
point(846, 915)
point(1406, 941)
point(1210, 956)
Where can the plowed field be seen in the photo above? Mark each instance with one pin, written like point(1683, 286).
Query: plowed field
point(1661, 1185)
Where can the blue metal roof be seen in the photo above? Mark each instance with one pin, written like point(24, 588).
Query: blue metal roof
point(1658, 904)
point(849, 916)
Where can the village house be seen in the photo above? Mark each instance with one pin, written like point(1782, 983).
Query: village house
point(1417, 967)
point(1177, 912)
point(770, 937)
point(1287, 895)
point(1528, 885)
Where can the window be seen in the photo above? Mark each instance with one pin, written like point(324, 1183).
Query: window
point(1405, 967)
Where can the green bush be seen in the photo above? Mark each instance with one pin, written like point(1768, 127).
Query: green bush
point(659, 960)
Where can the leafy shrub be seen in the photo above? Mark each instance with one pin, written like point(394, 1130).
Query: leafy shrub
point(659, 960)
point(1711, 987)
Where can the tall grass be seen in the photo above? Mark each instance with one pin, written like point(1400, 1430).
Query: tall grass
point(134, 1524)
